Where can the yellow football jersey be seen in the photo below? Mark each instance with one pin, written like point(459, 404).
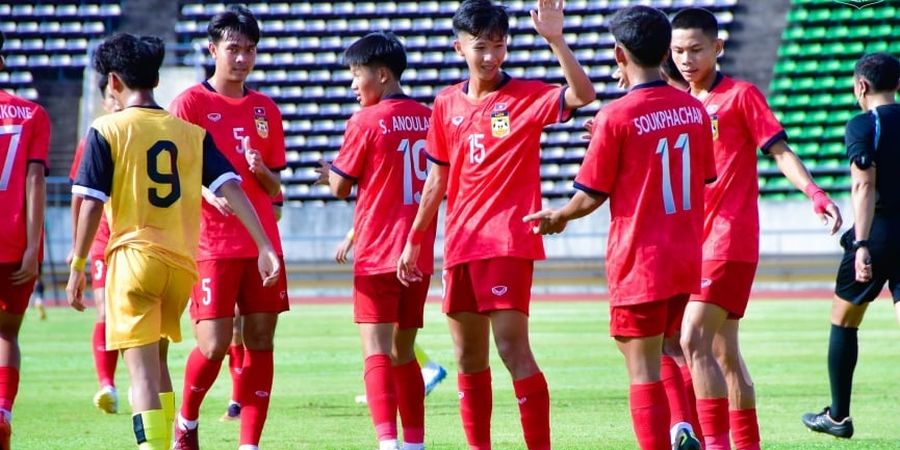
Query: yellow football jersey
point(148, 166)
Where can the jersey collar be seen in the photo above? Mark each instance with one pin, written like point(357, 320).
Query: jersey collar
point(399, 96)
point(209, 88)
point(506, 78)
point(717, 81)
point(649, 84)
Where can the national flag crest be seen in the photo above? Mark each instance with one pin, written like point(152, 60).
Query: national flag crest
point(715, 126)
point(500, 124)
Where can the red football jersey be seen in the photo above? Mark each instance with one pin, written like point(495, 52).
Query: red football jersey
point(229, 120)
point(24, 139)
point(493, 149)
point(98, 247)
point(651, 152)
point(742, 122)
point(384, 152)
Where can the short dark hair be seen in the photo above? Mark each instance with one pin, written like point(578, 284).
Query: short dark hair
point(101, 84)
point(698, 18)
point(881, 70)
point(644, 31)
point(235, 19)
point(135, 59)
point(481, 18)
point(669, 68)
point(380, 48)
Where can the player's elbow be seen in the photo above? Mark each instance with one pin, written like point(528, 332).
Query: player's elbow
point(341, 189)
point(862, 187)
point(586, 97)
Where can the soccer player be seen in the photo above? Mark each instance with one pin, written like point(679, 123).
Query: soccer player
point(147, 166)
point(872, 246)
point(383, 153)
point(24, 142)
point(485, 144)
point(650, 153)
point(742, 122)
point(106, 399)
point(246, 126)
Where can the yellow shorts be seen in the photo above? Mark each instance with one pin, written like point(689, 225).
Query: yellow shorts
point(145, 298)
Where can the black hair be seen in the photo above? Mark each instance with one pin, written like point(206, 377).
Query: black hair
point(698, 18)
point(135, 59)
point(235, 19)
point(481, 18)
point(644, 31)
point(101, 84)
point(671, 71)
point(380, 48)
point(881, 70)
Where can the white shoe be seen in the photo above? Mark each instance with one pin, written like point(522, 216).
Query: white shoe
point(683, 438)
point(107, 400)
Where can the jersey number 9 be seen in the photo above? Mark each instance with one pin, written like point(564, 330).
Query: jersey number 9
point(170, 179)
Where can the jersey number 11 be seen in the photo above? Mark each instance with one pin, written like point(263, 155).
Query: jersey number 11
point(662, 149)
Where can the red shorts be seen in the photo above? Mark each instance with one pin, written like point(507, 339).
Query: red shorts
point(98, 273)
point(226, 282)
point(14, 297)
point(488, 285)
point(383, 299)
point(648, 319)
point(727, 284)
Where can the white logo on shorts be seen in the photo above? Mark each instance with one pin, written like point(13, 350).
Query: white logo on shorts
point(705, 283)
point(499, 291)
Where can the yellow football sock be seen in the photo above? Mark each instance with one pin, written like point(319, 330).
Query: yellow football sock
point(421, 356)
point(150, 430)
point(167, 400)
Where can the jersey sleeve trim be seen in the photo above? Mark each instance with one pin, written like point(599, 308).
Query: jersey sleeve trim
point(435, 160)
point(278, 169)
point(343, 174)
point(780, 136)
point(222, 179)
point(589, 191)
point(85, 191)
point(42, 162)
point(565, 114)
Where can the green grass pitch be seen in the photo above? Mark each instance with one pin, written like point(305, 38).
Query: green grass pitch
point(318, 372)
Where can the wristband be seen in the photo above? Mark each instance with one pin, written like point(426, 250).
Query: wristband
point(350, 234)
point(78, 264)
point(818, 196)
point(416, 236)
point(858, 244)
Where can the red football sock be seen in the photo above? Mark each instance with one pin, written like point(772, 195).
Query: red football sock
point(380, 395)
point(692, 400)
point(104, 360)
point(650, 415)
point(713, 413)
point(9, 387)
point(256, 388)
point(235, 366)
point(410, 389)
point(744, 428)
point(199, 375)
point(476, 400)
point(670, 376)
point(534, 410)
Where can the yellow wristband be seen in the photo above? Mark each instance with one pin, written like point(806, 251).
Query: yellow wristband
point(78, 264)
point(350, 234)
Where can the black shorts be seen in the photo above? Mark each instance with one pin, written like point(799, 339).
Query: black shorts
point(884, 247)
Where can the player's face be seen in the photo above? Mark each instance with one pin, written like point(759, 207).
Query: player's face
point(694, 53)
point(366, 85)
point(235, 56)
point(484, 55)
point(110, 104)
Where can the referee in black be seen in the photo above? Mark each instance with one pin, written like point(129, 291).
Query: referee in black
point(872, 246)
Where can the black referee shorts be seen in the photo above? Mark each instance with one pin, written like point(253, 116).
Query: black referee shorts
point(884, 247)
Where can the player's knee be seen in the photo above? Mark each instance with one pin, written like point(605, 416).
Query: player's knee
point(694, 342)
point(213, 350)
point(516, 357)
point(265, 341)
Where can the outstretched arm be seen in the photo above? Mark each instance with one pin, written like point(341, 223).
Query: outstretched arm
point(548, 21)
point(554, 221)
point(794, 170)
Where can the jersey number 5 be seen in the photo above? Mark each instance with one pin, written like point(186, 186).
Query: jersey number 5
point(662, 148)
point(171, 179)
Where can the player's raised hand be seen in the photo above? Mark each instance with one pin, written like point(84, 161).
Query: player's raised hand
point(407, 267)
point(75, 290)
point(269, 265)
point(548, 18)
point(323, 170)
point(253, 157)
point(549, 222)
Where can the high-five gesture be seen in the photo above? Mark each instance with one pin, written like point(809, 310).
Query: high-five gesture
point(548, 18)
